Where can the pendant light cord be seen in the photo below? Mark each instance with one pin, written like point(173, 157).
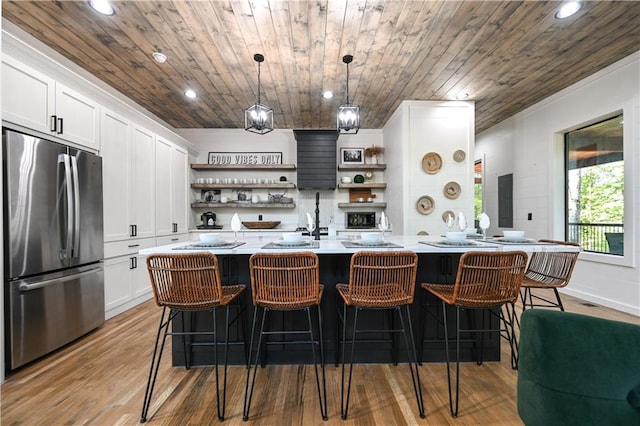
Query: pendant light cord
point(258, 82)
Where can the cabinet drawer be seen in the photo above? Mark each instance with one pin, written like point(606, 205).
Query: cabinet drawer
point(122, 248)
point(171, 239)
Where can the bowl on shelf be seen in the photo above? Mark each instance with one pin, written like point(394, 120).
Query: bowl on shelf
point(513, 235)
point(456, 236)
point(209, 237)
point(371, 237)
point(292, 237)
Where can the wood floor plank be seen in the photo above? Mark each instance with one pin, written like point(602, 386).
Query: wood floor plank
point(100, 380)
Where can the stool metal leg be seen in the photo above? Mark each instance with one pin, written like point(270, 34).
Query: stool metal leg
point(454, 410)
point(322, 396)
point(344, 404)
point(248, 389)
point(155, 362)
point(413, 360)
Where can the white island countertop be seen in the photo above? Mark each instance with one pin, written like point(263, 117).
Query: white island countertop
point(418, 244)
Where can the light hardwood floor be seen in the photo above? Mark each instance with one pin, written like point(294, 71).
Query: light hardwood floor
point(100, 380)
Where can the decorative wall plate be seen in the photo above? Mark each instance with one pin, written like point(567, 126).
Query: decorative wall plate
point(452, 190)
point(431, 163)
point(459, 156)
point(446, 214)
point(425, 205)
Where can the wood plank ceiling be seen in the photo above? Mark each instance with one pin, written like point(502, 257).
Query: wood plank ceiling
point(507, 55)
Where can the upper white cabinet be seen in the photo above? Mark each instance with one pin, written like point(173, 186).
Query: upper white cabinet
point(36, 101)
point(128, 171)
point(115, 134)
point(142, 181)
point(171, 188)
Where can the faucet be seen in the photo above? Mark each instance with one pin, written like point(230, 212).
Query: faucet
point(317, 230)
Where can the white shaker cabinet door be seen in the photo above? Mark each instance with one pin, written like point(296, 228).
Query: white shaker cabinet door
point(140, 280)
point(142, 182)
point(164, 226)
point(179, 185)
point(78, 117)
point(115, 152)
point(28, 96)
point(117, 281)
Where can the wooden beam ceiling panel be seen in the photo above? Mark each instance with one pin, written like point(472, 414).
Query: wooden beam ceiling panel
point(416, 37)
point(507, 55)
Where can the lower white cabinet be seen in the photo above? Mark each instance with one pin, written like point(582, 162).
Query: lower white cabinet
point(126, 280)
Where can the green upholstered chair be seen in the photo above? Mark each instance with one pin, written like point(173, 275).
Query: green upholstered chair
point(578, 370)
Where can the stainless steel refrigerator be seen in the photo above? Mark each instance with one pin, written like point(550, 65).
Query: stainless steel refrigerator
point(54, 279)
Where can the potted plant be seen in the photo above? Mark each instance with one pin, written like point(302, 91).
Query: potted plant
point(371, 153)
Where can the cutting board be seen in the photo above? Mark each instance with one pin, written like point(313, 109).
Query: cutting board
point(354, 194)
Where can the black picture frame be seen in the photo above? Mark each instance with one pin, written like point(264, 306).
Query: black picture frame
point(352, 155)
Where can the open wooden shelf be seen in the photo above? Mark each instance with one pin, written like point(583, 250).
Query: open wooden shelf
point(285, 185)
point(362, 205)
point(366, 185)
point(244, 205)
point(353, 167)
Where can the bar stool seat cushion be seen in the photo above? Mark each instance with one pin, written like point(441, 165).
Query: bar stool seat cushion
point(576, 369)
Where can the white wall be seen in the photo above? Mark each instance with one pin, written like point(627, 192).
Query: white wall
point(529, 145)
point(418, 128)
point(280, 140)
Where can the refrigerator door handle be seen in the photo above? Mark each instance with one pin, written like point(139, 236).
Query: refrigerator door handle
point(66, 251)
point(75, 249)
point(45, 283)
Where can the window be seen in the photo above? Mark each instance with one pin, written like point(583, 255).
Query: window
point(594, 167)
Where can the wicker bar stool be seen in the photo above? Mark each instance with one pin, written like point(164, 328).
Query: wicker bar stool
point(188, 283)
point(485, 280)
point(285, 282)
point(380, 280)
point(548, 270)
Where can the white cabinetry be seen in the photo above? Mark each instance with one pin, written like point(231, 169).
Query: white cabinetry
point(171, 188)
point(142, 181)
point(36, 101)
point(128, 173)
point(115, 134)
point(126, 280)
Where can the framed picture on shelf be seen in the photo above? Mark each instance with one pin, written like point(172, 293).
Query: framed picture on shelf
point(352, 155)
point(210, 195)
point(243, 195)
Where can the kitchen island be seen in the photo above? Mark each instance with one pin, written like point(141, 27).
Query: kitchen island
point(437, 263)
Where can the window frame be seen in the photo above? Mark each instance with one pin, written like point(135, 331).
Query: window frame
point(631, 193)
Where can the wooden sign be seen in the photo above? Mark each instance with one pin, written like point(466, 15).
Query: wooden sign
point(245, 158)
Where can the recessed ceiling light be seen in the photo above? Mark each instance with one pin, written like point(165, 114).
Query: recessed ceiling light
point(568, 9)
point(102, 6)
point(462, 96)
point(327, 94)
point(189, 93)
point(159, 57)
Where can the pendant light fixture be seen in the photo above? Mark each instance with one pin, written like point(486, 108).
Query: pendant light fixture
point(348, 113)
point(258, 118)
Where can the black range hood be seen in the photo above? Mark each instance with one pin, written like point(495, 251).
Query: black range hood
point(316, 163)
